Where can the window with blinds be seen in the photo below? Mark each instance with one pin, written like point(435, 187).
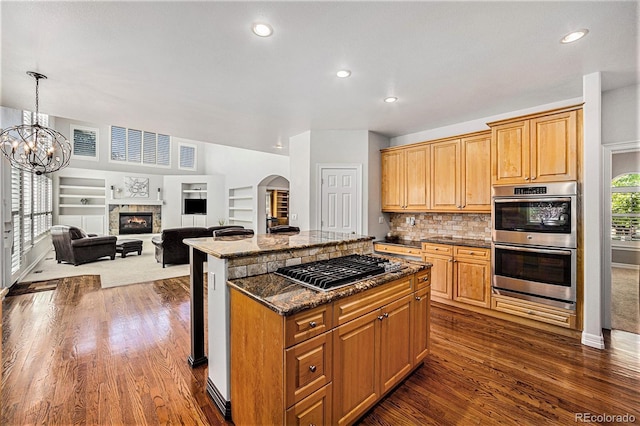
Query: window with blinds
point(85, 142)
point(187, 157)
point(140, 147)
point(31, 210)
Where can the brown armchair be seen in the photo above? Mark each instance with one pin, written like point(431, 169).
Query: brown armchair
point(73, 245)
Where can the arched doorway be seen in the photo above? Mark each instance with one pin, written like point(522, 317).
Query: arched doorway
point(273, 202)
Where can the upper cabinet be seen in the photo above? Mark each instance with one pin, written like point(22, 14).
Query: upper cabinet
point(445, 175)
point(405, 179)
point(539, 148)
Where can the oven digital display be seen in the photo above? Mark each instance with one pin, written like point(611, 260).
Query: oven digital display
point(533, 190)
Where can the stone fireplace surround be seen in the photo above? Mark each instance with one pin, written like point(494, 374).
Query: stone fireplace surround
point(114, 216)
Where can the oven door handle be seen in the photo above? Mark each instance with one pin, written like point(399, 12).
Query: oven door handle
point(532, 200)
point(535, 250)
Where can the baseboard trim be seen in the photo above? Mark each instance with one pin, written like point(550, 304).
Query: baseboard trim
point(220, 401)
point(593, 340)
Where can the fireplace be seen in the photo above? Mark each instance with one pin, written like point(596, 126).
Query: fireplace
point(135, 222)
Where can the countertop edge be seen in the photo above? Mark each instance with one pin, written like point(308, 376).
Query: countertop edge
point(197, 244)
point(447, 241)
point(330, 296)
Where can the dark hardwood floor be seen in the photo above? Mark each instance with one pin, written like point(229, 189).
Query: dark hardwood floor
point(85, 355)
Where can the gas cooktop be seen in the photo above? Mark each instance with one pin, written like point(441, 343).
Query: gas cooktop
point(334, 273)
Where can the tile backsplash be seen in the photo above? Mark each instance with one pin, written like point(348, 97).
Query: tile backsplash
point(475, 226)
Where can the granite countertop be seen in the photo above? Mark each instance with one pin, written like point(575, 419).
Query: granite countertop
point(468, 242)
point(286, 297)
point(240, 246)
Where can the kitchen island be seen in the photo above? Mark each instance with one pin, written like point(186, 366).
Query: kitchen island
point(237, 257)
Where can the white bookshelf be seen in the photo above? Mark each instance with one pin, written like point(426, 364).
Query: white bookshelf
point(241, 206)
point(82, 203)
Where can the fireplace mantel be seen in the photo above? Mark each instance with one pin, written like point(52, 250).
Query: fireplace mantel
point(135, 202)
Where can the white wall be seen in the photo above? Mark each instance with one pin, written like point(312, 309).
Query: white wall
point(310, 150)
point(374, 193)
point(337, 147)
point(243, 168)
point(63, 125)
point(621, 115)
point(300, 188)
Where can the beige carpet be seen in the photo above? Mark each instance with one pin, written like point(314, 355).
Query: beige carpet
point(625, 300)
point(132, 269)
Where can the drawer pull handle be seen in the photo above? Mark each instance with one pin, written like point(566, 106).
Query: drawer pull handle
point(312, 324)
point(418, 298)
point(312, 368)
point(380, 317)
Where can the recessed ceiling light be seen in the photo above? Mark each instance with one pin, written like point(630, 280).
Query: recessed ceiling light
point(261, 29)
point(390, 99)
point(278, 146)
point(343, 73)
point(574, 36)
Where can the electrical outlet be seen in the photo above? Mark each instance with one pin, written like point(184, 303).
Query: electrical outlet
point(294, 216)
point(407, 220)
point(381, 219)
point(412, 221)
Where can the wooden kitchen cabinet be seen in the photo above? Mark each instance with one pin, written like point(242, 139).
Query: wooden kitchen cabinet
point(405, 179)
point(372, 354)
point(328, 364)
point(539, 148)
point(459, 273)
point(472, 272)
point(445, 175)
point(421, 306)
point(441, 257)
point(475, 169)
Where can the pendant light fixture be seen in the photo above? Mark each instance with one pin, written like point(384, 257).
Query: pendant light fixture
point(35, 148)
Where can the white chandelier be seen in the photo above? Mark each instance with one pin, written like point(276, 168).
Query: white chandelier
point(33, 147)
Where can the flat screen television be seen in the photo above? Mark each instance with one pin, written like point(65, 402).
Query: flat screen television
point(195, 206)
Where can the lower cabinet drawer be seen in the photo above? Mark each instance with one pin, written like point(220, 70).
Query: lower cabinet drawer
point(394, 249)
point(352, 307)
point(308, 367)
point(423, 279)
point(534, 311)
point(313, 410)
point(306, 324)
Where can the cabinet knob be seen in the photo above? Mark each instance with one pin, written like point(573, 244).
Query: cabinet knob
point(380, 317)
point(312, 324)
point(312, 368)
point(418, 298)
point(533, 177)
point(450, 260)
point(386, 315)
point(471, 252)
point(526, 178)
point(425, 279)
point(436, 249)
point(531, 312)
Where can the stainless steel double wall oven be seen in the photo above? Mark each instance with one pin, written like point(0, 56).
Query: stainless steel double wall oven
point(534, 233)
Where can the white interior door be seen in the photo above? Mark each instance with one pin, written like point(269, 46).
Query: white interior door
point(339, 200)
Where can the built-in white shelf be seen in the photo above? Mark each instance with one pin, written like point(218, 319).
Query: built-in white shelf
point(237, 219)
point(241, 207)
point(194, 191)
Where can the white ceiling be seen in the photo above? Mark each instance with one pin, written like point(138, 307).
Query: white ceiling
point(196, 71)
